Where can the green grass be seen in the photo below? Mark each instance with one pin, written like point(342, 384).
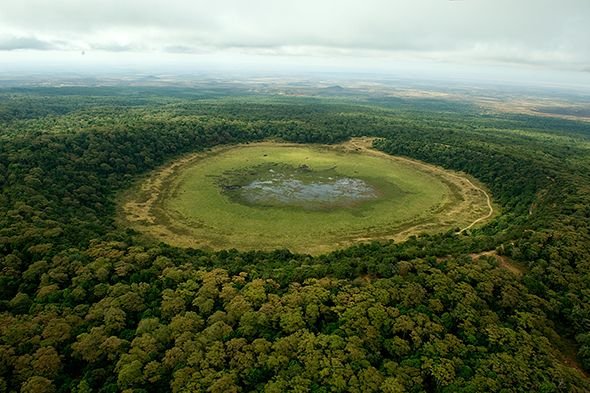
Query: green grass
point(280, 185)
point(191, 209)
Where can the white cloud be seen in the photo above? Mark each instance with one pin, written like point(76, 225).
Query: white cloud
point(14, 42)
point(544, 32)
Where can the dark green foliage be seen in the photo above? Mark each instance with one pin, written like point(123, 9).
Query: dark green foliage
point(88, 306)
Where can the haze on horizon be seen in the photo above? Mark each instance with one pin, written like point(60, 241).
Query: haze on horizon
point(542, 40)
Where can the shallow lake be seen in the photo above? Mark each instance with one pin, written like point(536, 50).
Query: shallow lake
point(322, 192)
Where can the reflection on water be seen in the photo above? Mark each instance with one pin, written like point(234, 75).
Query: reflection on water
point(289, 190)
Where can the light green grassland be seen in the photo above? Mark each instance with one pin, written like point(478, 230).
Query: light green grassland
point(187, 207)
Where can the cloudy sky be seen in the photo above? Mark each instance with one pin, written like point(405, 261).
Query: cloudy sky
point(535, 34)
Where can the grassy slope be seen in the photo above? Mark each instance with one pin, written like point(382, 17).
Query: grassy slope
point(191, 211)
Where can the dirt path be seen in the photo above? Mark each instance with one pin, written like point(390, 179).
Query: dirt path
point(489, 201)
point(366, 145)
point(504, 262)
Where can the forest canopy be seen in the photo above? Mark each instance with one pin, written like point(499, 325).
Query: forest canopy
point(88, 305)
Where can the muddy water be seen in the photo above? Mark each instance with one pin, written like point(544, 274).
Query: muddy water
point(322, 192)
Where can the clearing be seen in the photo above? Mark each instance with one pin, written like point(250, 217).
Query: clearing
point(307, 198)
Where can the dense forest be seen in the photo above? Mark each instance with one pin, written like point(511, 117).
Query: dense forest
point(89, 306)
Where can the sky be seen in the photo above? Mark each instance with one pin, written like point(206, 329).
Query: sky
point(541, 36)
